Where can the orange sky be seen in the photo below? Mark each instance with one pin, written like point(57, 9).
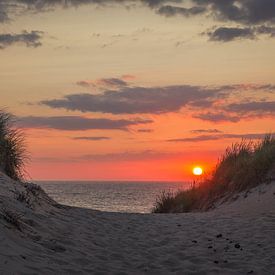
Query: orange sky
point(135, 90)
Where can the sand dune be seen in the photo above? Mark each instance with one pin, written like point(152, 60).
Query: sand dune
point(39, 236)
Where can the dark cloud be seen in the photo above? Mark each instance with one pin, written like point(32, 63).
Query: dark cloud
point(242, 11)
point(209, 131)
point(9, 8)
point(155, 3)
point(91, 138)
point(103, 82)
point(258, 107)
point(256, 16)
point(134, 100)
point(169, 11)
point(217, 117)
point(3, 13)
point(83, 83)
point(225, 34)
point(113, 82)
point(30, 39)
point(227, 103)
point(78, 123)
point(218, 137)
point(266, 30)
point(145, 130)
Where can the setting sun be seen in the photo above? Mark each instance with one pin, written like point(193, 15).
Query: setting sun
point(197, 171)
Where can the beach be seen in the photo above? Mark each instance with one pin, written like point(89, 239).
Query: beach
point(235, 238)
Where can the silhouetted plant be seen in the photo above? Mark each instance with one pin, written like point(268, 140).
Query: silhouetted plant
point(12, 148)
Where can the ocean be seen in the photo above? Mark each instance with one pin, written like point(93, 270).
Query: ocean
point(115, 196)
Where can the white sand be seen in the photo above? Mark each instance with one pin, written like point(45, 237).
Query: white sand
point(80, 241)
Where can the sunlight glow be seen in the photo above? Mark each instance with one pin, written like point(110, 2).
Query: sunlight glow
point(197, 171)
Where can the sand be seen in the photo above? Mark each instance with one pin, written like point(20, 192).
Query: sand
point(238, 237)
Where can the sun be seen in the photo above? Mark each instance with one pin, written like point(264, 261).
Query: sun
point(197, 171)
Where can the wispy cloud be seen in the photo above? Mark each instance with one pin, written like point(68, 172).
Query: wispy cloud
point(217, 117)
point(147, 155)
point(103, 83)
point(78, 123)
point(208, 131)
point(201, 138)
point(91, 138)
point(145, 130)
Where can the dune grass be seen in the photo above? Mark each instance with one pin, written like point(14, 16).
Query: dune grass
point(244, 165)
point(13, 154)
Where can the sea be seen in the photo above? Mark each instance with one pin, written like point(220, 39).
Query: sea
point(111, 196)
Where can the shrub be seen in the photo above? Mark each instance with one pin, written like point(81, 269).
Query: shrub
point(12, 148)
point(243, 165)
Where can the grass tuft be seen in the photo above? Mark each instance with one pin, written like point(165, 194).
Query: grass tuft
point(244, 165)
point(12, 218)
point(12, 148)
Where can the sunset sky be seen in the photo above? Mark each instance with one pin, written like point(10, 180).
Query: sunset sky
point(136, 90)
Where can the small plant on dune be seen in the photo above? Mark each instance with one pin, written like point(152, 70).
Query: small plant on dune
point(12, 148)
point(164, 202)
point(12, 218)
point(244, 165)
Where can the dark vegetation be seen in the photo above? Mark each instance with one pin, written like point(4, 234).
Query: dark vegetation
point(12, 148)
point(243, 166)
point(12, 218)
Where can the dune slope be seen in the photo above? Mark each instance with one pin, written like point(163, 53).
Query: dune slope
point(39, 236)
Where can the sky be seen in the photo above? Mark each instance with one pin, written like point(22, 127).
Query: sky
point(136, 90)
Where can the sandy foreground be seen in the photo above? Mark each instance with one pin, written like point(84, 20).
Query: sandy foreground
point(39, 236)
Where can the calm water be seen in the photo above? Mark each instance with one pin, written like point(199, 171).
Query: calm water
point(134, 197)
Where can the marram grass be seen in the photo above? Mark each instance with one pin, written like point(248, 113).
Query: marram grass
point(13, 155)
point(244, 165)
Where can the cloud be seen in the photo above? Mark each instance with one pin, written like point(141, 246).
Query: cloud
point(266, 30)
point(15, 7)
point(145, 130)
point(257, 107)
point(209, 131)
point(225, 34)
point(3, 13)
point(91, 138)
point(169, 11)
point(155, 3)
point(243, 11)
point(78, 123)
point(129, 156)
point(146, 155)
point(217, 117)
point(218, 137)
point(84, 83)
point(29, 39)
point(135, 100)
point(103, 83)
point(249, 13)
